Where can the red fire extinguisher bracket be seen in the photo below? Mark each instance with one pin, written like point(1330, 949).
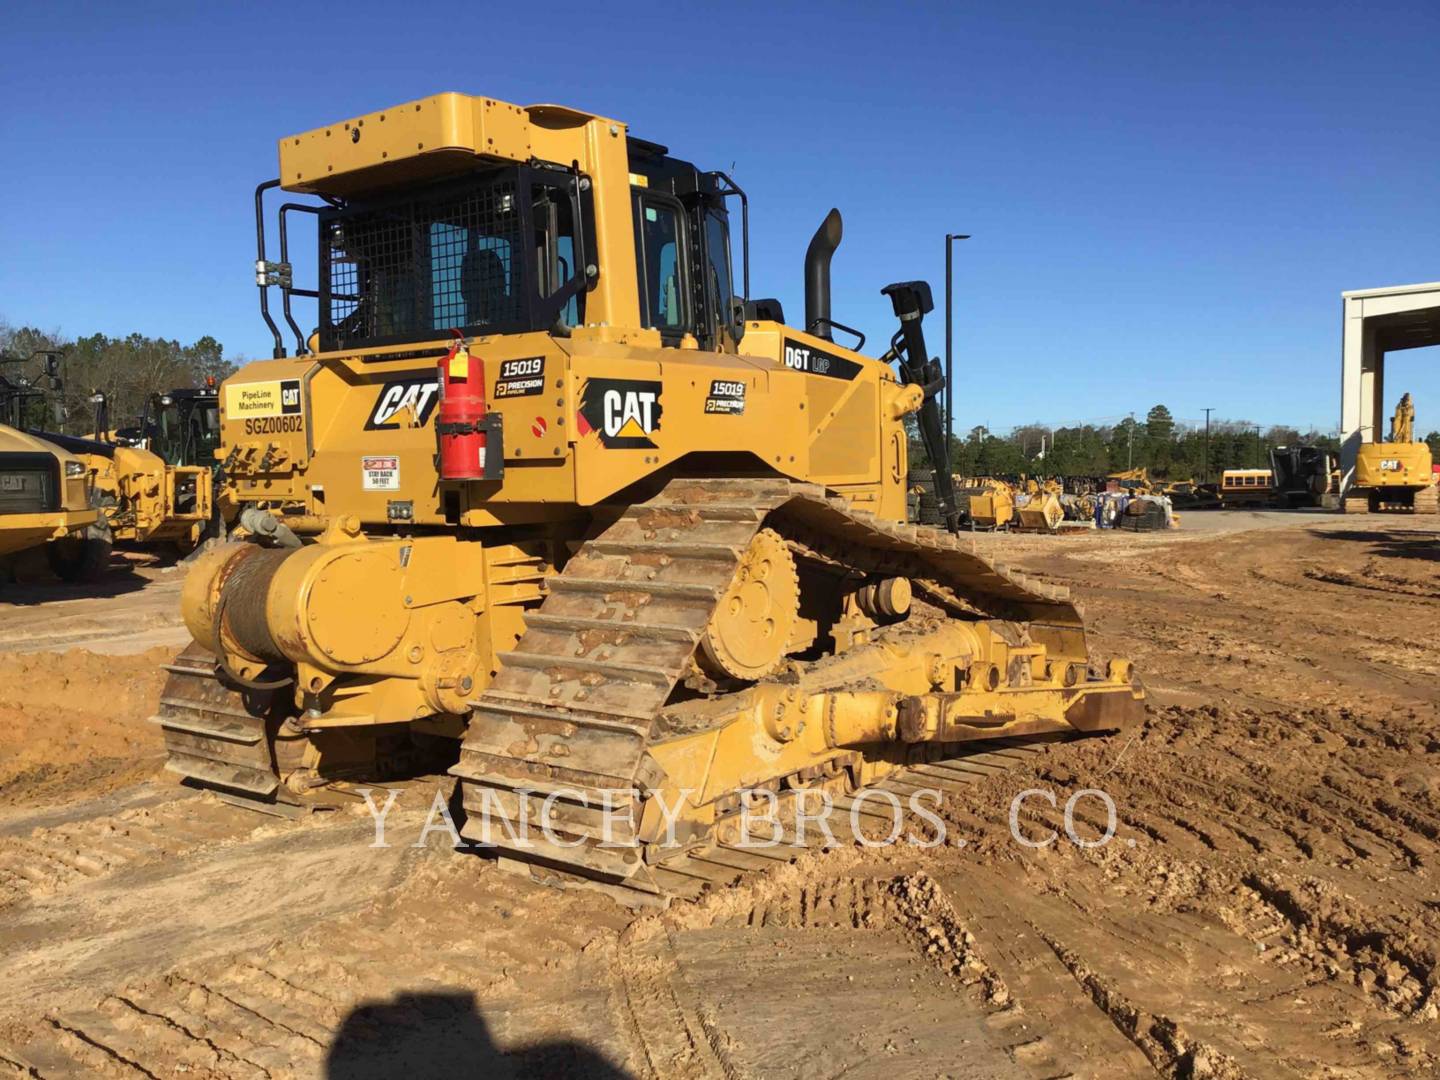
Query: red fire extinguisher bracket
point(470, 438)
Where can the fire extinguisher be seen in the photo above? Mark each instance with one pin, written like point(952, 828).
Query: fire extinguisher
point(461, 428)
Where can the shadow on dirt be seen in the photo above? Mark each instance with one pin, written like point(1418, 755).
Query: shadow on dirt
point(434, 1034)
point(45, 588)
point(1397, 545)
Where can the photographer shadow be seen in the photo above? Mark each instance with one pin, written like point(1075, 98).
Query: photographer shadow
point(432, 1034)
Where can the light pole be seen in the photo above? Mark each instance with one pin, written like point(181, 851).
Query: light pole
point(950, 239)
point(1205, 456)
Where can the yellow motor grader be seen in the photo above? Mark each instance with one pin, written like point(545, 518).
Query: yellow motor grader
point(541, 488)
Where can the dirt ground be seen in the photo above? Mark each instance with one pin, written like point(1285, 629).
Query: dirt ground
point(1268, 906)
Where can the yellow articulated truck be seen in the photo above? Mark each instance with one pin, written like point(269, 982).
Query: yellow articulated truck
point(45, 502)
point(1396, 475)
point(541, 490)
point(156, 480)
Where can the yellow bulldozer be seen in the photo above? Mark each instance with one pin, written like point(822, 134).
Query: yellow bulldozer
point(1396, 475)
point(542, 493)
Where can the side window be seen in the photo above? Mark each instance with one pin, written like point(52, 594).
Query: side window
point(719, 292)
point(565, 262)
point(554, 218)
point(660, 263)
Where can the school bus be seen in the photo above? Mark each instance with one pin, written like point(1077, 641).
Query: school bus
point(1247, 487)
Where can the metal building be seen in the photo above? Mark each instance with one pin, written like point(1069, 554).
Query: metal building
point(1376, 322)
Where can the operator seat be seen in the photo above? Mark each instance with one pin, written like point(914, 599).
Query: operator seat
point(485, 289)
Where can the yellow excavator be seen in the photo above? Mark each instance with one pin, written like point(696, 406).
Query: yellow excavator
point(1396, 475)
point(542, 492)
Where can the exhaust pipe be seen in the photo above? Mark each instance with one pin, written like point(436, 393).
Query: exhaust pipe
point(817, 274)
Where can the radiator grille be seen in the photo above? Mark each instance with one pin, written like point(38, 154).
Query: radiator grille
point(26, 489)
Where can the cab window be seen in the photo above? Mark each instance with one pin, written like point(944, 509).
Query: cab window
point(718, 290)
point(661, 264)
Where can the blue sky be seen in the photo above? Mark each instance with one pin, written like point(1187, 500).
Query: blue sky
point(1166, 198)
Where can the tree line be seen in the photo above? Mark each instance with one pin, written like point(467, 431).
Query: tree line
point(127, 370)
point(1168, 450)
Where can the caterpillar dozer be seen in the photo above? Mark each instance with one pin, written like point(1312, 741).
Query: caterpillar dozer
point(1396, 475)
point(543, 490)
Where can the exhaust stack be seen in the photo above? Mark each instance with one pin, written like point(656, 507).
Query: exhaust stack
point(817, 274)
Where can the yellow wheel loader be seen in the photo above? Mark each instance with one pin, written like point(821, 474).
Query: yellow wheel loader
point(541, 489)
point(1396, 475)
point(45, 502)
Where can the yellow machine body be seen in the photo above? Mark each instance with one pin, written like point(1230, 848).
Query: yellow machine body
point(1397, 475)
point(147, 500)
point(1041, 513)
point(846, 434)
point(1394, 465)
point(44, 493)
point(994, 507)
point(674, 519)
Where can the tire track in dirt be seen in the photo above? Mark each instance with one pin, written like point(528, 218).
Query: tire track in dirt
point(50, 860)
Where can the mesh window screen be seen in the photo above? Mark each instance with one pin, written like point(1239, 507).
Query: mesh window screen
point(445, 259)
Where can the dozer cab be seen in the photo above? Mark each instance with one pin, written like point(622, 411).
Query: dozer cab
point(1397, 475)
point(542, 489)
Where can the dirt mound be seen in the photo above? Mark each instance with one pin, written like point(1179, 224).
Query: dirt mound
point(76, 722)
